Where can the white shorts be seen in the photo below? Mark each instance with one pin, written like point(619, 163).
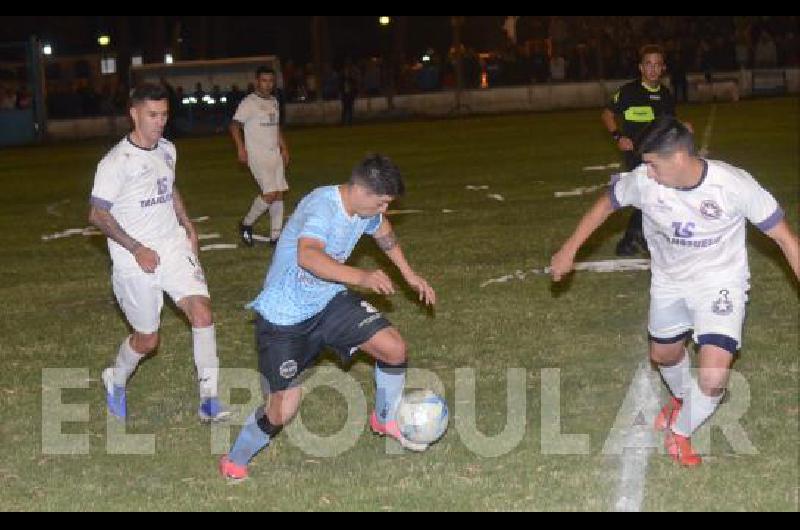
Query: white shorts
point(141, 295)
point(712, 315)
point(267, 168)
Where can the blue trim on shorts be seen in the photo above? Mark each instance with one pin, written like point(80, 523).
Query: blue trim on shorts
point(680, 338)
point(725, 342)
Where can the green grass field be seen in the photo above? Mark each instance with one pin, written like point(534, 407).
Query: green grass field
point(58, 312)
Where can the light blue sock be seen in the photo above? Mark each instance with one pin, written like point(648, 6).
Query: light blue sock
point(389, 381)
point(251, 441)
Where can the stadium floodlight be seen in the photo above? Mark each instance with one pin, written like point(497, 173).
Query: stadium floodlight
point(384, 21)
point(47, 49)
point(103, 40)
point(137, 60)
point(168, 58)
point(426, 58)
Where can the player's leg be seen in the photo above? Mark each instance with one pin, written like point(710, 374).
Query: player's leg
point(391, 362)
point(282, 352)
point(276, 213)
point(633, 240)
point(183, 279)
point(719, 317)
point(204, 347)
point(669, 329)
point(140, 298)
point(263, 426)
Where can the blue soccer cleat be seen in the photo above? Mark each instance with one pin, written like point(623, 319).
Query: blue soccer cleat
point(213, 411)
point(116, 399)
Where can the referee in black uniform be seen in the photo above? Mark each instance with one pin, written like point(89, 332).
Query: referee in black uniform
point(636, 105)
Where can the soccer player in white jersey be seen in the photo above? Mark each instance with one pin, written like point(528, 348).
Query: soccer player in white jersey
point(263, 149)
point(306, 305)
point(153, 246)
point(695, 214)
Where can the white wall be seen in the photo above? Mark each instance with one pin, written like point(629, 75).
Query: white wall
point(728, 87)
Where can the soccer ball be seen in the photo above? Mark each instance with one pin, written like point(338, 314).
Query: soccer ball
point(423, 417)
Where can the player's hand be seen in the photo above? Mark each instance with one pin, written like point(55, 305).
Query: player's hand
point(148, 259)
point(625, 144)
point(243, 156)
point(562, 264)
point(426, 293)
point(377, 281)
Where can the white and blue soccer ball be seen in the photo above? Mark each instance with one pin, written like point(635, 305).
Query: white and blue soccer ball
point(423, 416)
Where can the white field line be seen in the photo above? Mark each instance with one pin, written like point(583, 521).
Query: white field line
point(707, 133)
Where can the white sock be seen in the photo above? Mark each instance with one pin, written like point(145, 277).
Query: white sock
point(276, 217)
point(206, 361)
point(678, 378)
point(697, 408)
point(126, 363)
point(258, 209)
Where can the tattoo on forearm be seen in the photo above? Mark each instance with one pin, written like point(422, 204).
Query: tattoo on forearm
point(387, 242)
point(106, 223)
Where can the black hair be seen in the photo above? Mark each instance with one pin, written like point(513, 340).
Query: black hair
point(379, 175)
point(666, 136)
point(264, 70)
point(148, 92)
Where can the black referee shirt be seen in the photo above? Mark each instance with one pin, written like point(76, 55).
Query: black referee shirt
point(638, 106)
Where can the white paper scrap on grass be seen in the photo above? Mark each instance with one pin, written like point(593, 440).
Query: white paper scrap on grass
point(608, 266)
point(223, 246)
point(496, 197)
point(206, 237)
point(477, 188)
point(446, 211)
point(577, 192)
point(261, 239)
point(201, 219)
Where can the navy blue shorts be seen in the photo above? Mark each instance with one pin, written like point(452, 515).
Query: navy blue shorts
point(285, 352)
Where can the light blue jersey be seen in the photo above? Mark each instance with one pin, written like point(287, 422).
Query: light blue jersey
point(291, 294)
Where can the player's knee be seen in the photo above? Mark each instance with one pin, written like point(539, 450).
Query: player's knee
point(145, 344)
point(396, 353)
point(666, 356)
point(712, 381)
point(199, 313)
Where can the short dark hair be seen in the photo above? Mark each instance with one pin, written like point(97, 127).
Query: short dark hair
point(650, 49)
point(379, 175)
point(148, 92)
point(264, 70)
point(666, 136)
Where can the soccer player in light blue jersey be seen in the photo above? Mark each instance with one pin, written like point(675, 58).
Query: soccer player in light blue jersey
point(306, 305)
point(695, 216)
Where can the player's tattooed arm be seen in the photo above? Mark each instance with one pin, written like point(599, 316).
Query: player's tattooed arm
point(101, 217)
point(386, 242)
point(105, 222)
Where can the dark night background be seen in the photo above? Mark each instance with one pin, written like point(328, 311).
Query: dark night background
point(212, 37)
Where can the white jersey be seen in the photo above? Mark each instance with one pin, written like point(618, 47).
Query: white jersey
point(698, 235)
point(136, 186)
point(260, 118)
